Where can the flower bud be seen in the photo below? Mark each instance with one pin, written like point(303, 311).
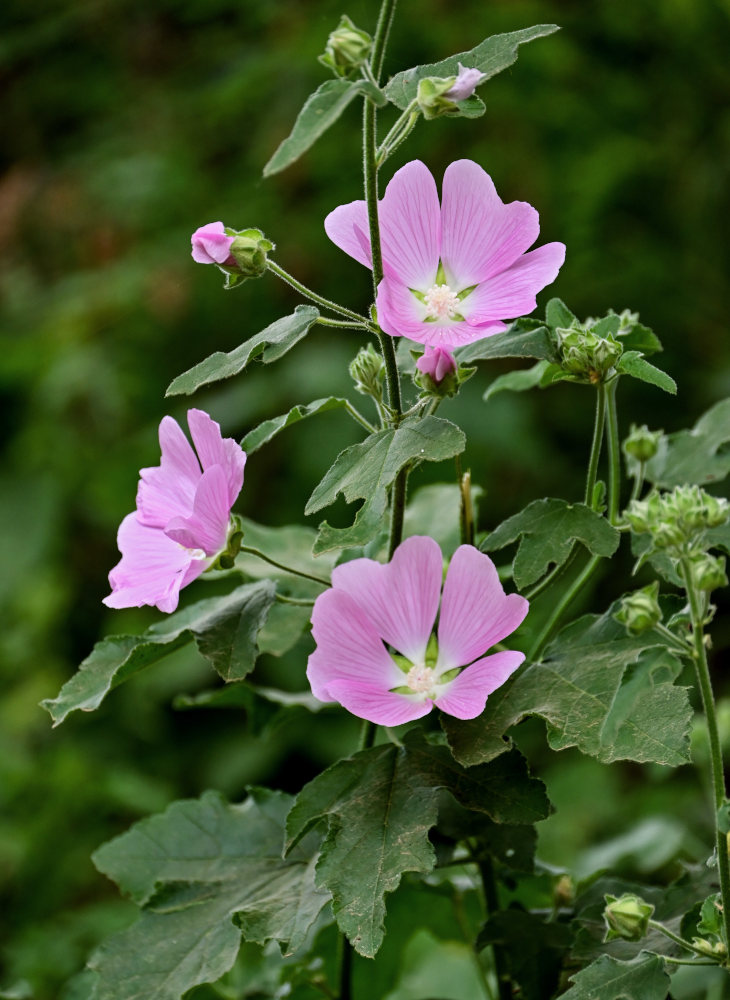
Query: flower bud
point(716, 950)
point(432, 96)
point(347, 48)
point(249, 249)
point(708, 572)
point(585, 354)
point(626, 917)
point(642, 444)
point(716, 510)
point(465, 84)
point(211, 244)
point(368, 371)
point(436, 363)
point(640, 611)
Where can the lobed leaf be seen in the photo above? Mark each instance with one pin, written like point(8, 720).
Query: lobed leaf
point(699, 455)
point(267, 430)
point(490, 57)
point(547, 530)
point(224, 629)
point(269, 345)
point(643, 978)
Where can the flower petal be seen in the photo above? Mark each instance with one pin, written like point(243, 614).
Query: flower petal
point(384, 708)
point(167, 490)
point(410, 226)
point(347, 227)
point(475, 611)
point(348, 647)
point(207, 526)
point(467, 694)
point(400, 598)
point(481, 236)
point(400, 313)
point(512, 292)
point(214, 449)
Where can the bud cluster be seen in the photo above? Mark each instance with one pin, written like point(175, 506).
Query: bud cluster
point(587, 355)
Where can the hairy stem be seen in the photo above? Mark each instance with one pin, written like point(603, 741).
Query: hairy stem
point(596, 445)
point(614, 453)
point(287, 569)
point(319, 299)
point(658, 926)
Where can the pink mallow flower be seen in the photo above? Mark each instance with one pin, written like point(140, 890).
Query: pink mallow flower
point(371, 604)
point(210, 244)
point(453, 271)
point(465, 84)
point(436, 362)
point(183, 515)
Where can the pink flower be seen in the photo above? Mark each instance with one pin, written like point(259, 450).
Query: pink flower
point(210, 244)
point(182, 518)
point(371, 604)
point(436, 362)
point(454, 271)
point(465, 84)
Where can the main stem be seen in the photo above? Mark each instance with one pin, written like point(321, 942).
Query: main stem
point(614, 452)
point(596, 445)
point(699, 656)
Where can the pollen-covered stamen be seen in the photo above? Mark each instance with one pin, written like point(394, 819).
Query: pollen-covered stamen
point(440, 302)
point(421, 679)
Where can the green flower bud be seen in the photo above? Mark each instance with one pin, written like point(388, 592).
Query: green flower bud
point(717, 510)
point(347, 48)
point(626, 917)
point(368, 371)
point(716, 950)
point(642, 444)
point(249, 250)
point(640, 611)
point(708, 572)
point(431, 98)
point(639, 516)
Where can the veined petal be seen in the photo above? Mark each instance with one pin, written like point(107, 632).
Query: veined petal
point(475, 611)
point(384, 708)
point(214, 449)
point(347, 226)
point(457, 335)
point(410, 226)
point(348, 647)
point(400, 313)
point(401, 597)
point(168, 489)
point(207, 526)
point(467, 694)
point(151, 570)
point(481, 236)
point(512, 292)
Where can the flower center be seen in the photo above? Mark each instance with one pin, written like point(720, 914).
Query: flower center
point(194, 553)
point(421, 679)
point(440, 302)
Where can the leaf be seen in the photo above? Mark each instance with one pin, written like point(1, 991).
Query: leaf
point(366, 470)
point(380, 805)
point(431, 967)
point(267, 430)
point(490, 57)
point(557, 314)
point(517, 381)
point(224, 629)
point(269, 345)
point(206, 873)
point(643, 978)
point(322, 109)
point(699, 455)
point(533, 949)
point(547, 530)
point(435, 510)
point(608, 693)
point(525, 339)
point(632, 363)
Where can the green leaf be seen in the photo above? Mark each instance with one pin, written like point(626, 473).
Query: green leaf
point(380, 805)
point(558, 314)
point(532, 948)
point(490, 57)
point(525, 339)
point(366, 470)
point(435, 510)
point(224, 629)
point(517, 381)
point(632, 363)
point(547, 530)
point(640, 338)
point(321, 110)
point(608, 693)
point(643, 978)
point(699, 455)
point(206, 873)
point(434, 968)
point(269, 345)
point(267, 430)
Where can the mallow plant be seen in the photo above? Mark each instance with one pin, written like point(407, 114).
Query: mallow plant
point(438, 644)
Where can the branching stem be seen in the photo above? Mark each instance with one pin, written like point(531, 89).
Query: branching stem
point(319, 299)
point(287, 569)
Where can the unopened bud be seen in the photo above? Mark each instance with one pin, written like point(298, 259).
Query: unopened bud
point(626, 917)
point(586, 355)
point(716, 950)
point(249, 250)
point(716, 510)
point(432, 96)
point(640, 611)
point(642, 444)
point(347, 48)
point(564, 891)
point(211, 244)
point(368, 371)
point(465, 83)
point(708, 572)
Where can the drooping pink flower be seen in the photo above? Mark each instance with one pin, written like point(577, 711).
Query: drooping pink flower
point(371, 604)
point(436, 362)
point(465, 84)
point(210, 244)
point(453, 271)
point(182, 518)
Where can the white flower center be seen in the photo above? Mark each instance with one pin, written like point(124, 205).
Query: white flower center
point(441, 302)
point(421, 679)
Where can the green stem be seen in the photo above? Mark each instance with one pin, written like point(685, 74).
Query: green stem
point(303, 601)
point(577, 585)
point(309, 294)
point(614, 452)
point(708, 703)
point(638, 481)
point(687, 961)
point(341, 323)
point(673, 640)
point(491, 900)
point(398, 134)
point(676, 938)
point(287, 569)
point(356, 415)
point(596, 445)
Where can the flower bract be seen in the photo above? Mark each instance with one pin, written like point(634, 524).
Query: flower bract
point(372, 604)
point(183, 515)
point(455, 270)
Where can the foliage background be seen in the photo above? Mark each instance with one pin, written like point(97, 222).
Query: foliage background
point(128, 124)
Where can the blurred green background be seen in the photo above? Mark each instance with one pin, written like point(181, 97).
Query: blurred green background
point(127, 124)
